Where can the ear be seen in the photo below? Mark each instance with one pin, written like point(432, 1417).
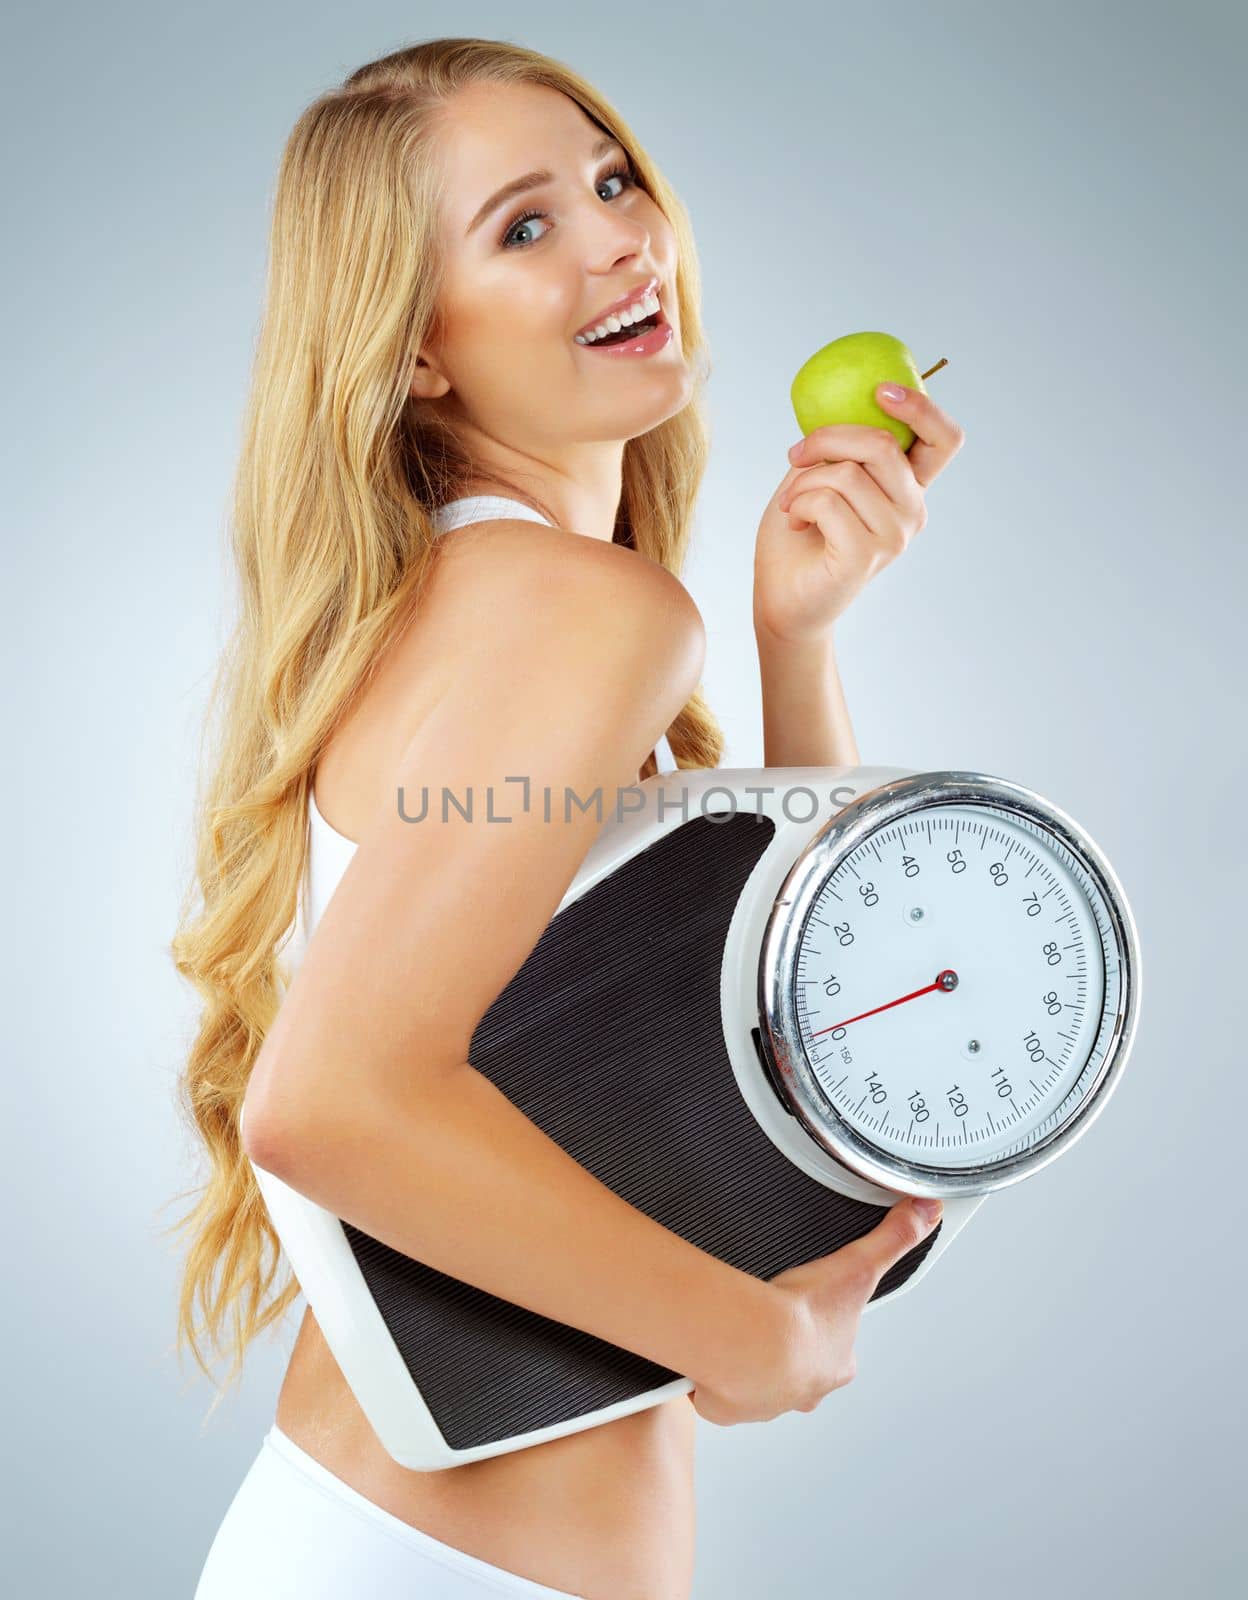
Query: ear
point(427, 383)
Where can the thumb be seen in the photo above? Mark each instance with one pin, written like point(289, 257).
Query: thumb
point(907, 1224)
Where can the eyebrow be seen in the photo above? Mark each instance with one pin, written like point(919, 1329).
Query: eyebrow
point(531, 180)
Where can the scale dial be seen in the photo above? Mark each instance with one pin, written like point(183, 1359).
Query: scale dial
point(949, 983)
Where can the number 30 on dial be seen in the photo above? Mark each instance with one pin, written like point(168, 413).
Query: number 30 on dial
point(952, 970)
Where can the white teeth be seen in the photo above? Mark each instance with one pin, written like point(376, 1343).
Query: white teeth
point(647, 307)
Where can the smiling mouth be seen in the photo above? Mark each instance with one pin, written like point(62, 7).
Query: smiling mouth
point(633, 331)
point(623, 335)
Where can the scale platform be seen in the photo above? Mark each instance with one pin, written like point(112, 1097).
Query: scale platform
point(637, 1035)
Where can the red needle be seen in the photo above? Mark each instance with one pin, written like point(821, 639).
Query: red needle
point(945, 981)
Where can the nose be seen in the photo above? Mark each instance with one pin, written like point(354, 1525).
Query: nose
point(614, 237)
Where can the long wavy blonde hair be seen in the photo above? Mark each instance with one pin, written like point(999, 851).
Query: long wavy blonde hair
point(339, 474)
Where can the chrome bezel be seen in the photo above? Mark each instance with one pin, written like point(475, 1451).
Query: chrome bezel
point(879, 808)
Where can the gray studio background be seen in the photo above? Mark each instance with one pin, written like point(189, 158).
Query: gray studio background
point(1047, 196)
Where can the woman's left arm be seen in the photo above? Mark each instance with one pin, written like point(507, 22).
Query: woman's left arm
point(848, 506)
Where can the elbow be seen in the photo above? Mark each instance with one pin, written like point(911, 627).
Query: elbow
point(288, 1135)
point(266, 1129)
point(290, 1153)
point(264, 1145)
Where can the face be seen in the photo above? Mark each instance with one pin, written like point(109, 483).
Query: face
point(505, 362)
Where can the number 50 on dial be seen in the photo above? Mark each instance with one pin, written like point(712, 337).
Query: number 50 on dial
point(951, 975)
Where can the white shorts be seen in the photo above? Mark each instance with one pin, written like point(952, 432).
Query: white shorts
point(294, 1531)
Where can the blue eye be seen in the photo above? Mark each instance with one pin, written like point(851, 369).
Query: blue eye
point(624, 173)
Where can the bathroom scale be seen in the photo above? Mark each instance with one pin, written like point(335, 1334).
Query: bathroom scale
point(773, 1001)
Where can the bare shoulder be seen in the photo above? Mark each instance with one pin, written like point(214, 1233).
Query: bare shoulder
point(514, 606)
point(506, 574)
point(513, 551)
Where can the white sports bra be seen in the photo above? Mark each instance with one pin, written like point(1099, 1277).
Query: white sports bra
point(328, 850)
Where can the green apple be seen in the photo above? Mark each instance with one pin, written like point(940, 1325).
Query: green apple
point(838, 383)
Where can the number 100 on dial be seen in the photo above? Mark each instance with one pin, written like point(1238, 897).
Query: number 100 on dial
point(953, 971)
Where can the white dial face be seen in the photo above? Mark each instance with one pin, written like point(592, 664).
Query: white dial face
point(955, 985)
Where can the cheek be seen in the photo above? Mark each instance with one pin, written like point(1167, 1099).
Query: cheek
point(510, 312)
point(502, 346)
point(474, 331)
point(666, 258)
point(473, 319)
point(662, 234)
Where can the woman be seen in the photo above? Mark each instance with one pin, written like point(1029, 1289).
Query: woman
point(459, 529)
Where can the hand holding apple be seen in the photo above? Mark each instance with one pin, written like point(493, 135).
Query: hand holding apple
point(853, 499)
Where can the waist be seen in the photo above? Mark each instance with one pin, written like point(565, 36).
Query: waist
point(605, 1510)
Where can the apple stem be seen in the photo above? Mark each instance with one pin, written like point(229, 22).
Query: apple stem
point(943, 362)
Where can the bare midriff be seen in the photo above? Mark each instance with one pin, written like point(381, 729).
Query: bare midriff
point(607, 1513)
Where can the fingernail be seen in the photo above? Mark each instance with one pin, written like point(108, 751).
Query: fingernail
point(796, 449)
point(929, 1209)
point(891, 391)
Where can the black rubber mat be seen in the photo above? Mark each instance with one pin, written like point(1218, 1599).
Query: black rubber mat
point(610, 1039)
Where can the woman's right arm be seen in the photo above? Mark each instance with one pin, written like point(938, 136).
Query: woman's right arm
point(563, 659)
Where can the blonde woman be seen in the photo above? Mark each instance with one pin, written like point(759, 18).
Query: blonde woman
point(459, 531)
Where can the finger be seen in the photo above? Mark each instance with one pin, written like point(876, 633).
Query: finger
point(938, 438)
point(827, 509)
point(889, 521)
point(875, 448)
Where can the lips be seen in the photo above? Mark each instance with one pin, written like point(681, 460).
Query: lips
point(641, 291)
